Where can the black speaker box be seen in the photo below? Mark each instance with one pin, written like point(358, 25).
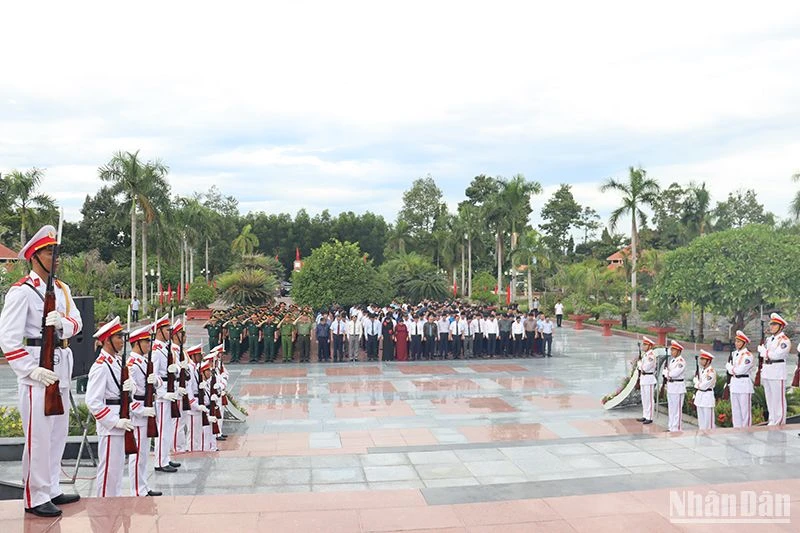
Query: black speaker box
point(82, 344)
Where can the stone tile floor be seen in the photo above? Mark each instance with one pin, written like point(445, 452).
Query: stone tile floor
point(473, 445)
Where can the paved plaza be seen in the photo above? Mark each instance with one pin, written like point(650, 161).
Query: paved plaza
point(452, 446)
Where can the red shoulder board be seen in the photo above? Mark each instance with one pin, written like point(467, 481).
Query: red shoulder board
point(21, 281)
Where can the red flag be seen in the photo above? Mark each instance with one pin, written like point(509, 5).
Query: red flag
point(455, 288)
point(495, 290)
point(178, 293)
point(186, 291)
point(508, 294)
point(297, 254)
point(276, 257)
point(169, 291)
point(365, 259)
point(160, 295)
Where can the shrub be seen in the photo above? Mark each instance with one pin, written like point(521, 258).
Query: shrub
point(201, 294)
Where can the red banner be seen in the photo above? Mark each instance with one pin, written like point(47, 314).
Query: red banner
point(508, 294)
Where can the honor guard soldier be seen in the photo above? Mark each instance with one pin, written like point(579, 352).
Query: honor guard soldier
point(194, 425)
point(676, 388)
point(741, 388)
point(104, 401)
point(21, 339)
point(164, 398)
point(704, 384)
point(647, 379)
point(179, 357)
point(774, 352)
point(210, 399)
point(137, 370)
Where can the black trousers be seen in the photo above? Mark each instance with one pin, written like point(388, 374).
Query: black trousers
point(518, 344)
point(548, 344)
point(443, 344)
point(372, 347)
point(456, 345)
point(135, 316)
point(558, 320)
point(338, 347)
point(491, 344)
point(430, 347)
point(323, 349)
point(416, 347)
point(505, 344)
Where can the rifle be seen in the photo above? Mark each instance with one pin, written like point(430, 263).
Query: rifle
point(639, 377)
point(726, 392)
point(215, 410)
point(201, 396)
point(796, 378)
point(175, 411)
point(666, 365)
point(696, 366)
point(124, 397)
point(149, 389)
point(53, 406)
point(184, 376)
point(757, 381)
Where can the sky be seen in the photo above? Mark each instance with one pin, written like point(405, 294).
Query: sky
point(341, 105)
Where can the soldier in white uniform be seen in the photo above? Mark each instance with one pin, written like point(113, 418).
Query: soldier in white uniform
point(182, 425)
point(676, 387)
point(20, 340)
point(209, 398)
point(647, 379)
point(704, 384)
point(164, 399)
point(194, 441)
point(221, 386)
point(773, 373)
point(103, 400)
point(137, 370)
point(741, 388)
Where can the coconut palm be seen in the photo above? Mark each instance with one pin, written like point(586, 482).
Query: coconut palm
point(531, 252)
point(138, 182)
point(246, 242)
point(637, 192)
point(470, 221)
point(23, 200)
point(795, 206)
point(398, 238)
point(696, 209)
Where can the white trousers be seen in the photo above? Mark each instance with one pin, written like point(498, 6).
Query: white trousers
point(775, 392)
point(705, 418)
point(675, 404)
point(647, 400)
point(181, 428)
point(166, 431)
point(741, 410)
point(209, 440)
point(196, 440)
point(45, 438)
point(137, 463)
point(110, 466)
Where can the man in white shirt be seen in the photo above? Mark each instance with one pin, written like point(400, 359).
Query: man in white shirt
point(491, 331)
point(546, 329)
point(456, 335)
point(415, 329)
point(354, 331)
point(518, 334)
point(372, 330)
point(444, 332)
point(338, 330)
point(559, 313)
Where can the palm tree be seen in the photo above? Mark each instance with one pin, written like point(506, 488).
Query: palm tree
point(137, 181)
point(398, 238)
point(20, 191)
point(795, 206)
point(531, 252)
point(470, 218)
point(246, 242)
point(639, 191)
point(696, 209)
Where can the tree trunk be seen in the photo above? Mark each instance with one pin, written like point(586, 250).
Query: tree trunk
point(206, 260)
point(133, 249)
point(191, 264)
point(530, 289)
point(183, 264)
point(463, 270)
point(144, 268)
point(469, 264)
point(22, 236)
point(633, 263)
point(513, 262)
point(701, 324)
point(499, 264)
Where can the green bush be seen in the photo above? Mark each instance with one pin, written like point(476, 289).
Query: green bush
point(483, 284)
point(201, 294)
point(10, 422)
point(110, 307)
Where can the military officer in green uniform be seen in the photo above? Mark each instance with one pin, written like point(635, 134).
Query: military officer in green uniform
point(252, 337)
point(303, 325)
point(235, 337)
point(288, 332)
point(214, 331)
point(268, 328)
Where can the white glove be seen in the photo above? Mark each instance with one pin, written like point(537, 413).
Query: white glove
point(148, 411)
point(203, 384)
point(696, 382)
point(214, 398)
point(151, 379)
point(761, 350)
point(729, 368)
point(129, 386)
point(212, 419)
point(184, 364)
point(638, 365)
point(224, 393)
point(203, 409)
point(171, 396)
point(218, 386)
point(53, 318)
point(173, 368)
point(43, 375)
point(124, 423)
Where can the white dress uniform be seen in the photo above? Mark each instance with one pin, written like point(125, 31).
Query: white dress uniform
point(163, 405)
point(647, 382)
point(676, 390)
point(194, 441)
point(773, 372)
point(741, 388)
point(704, 397)
point(45, 436)
point(103, 400)
point(137, 370)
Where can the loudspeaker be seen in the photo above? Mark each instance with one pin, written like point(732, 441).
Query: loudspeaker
point(82, 344)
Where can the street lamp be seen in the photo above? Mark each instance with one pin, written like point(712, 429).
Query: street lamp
point(151, 277)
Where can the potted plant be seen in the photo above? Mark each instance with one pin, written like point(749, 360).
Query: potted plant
point(606, 311)
point(661, 315)
point(579, 306)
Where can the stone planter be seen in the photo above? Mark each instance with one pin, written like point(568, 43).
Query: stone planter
point(198, 314)
point(662, 333)
point(607, 323)
point(578, 319)
point(11, 448)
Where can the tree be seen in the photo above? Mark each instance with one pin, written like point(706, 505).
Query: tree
point(560, 214)
point(414, 277)
point(637, 192)
point(422, 207)
point(137, 181)
point(531, 252)
point(590, 222)
point(337, 272)
point(732, 271)
point(795, 206)
point(247, 287)
point(470, 219)
point(246, 242)
point(669, 212)
point(741, 208)
point(25, 202)
point(483, 288)
point(696, 210)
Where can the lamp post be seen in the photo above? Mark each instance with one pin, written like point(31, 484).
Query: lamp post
point(151, 277)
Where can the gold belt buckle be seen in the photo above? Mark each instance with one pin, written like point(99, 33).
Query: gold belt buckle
point(63, 344)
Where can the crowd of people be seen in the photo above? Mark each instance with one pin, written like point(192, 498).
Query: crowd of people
point(396, 332)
